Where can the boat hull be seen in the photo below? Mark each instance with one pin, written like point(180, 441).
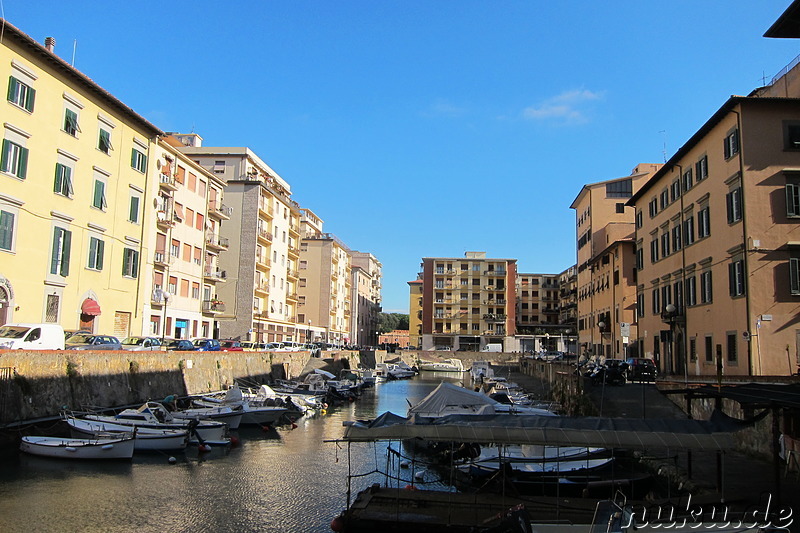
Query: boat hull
point(144, 438)
point(208, 431)
point(65, 448)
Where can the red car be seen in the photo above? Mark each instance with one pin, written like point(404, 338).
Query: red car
point(230, 346)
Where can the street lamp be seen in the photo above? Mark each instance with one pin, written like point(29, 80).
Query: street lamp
point(308, 335)
point(165, 295)
point(670, 316)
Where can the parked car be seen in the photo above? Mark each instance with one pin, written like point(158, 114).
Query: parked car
point(641, 369)
point(231, 346)
point(179, 345)
point(83, 341)
point(206, 345)
point(611, 372)
point(248, 346)
point(31, 337)
point(70, 332)
point(141, 344)
point(289, 346)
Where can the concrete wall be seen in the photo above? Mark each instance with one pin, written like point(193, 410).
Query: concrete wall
point(41, 384)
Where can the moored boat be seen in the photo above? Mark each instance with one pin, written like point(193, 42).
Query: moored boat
point(448, 365)
point(67, 448)
point(144, 438)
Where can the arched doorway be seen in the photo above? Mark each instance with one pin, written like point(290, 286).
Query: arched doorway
point(89, 310)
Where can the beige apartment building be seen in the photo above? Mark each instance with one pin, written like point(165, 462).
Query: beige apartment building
point(415, 291)
point(468, 302)
point(365, 298)
point(568, 298)
point(718, 245)
point(606, 290)
point(538, 308)
point(181, 265)
point(262, 245)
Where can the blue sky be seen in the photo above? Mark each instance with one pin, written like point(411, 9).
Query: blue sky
point(428, 128)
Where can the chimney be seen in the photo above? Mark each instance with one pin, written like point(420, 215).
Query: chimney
point(50, 44)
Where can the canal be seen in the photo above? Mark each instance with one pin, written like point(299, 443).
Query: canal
point(284, 480)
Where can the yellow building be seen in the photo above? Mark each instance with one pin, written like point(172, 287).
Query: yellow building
point(416, 292)
point(75, 171)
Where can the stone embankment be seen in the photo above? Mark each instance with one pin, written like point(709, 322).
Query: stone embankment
point(37, 385)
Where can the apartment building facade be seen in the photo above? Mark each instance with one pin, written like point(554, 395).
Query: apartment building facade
point(184, 247)
point(76, 171)
point(416, 291)
point(365, 298)
point(468, 302)
point(568, 298)
point(602, 220)
point(261, 241)
point(718, 245)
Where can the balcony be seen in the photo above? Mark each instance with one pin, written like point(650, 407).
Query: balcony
point(212, 274)
point(494, 317)
point(550, 310)
point(167, 183)
point(263, 263)
point(293, 274)
point(294, 230)
point(221, 213)
point(164, 218)
point(292, 296)
point(157, 297)
point(264, 236)
point(262, 288)
point(293, 252)
point(215, 242)
point(494, 272)
point(213, 306)
point(161, 259)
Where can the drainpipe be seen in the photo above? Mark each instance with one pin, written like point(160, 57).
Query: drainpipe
point(143, 224)
point(744, 243)
point(683, 284)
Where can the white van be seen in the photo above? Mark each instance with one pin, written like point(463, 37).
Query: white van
point(493, 347)
point(31, 337)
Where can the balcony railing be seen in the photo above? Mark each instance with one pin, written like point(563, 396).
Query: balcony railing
point(489, 317)
point(264, 234)
point(215, 241)
point(215, 274)
point(213, 306)
point(167, 182)
point(494, 272)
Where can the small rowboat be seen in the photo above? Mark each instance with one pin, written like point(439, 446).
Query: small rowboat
point(145, 438)
point(63, 448)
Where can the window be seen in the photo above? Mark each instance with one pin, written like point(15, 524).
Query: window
point(640, 305)
point(793, 196)
point(706, 292)
point(63, 180)
point(175, 248)
point(677, 292)
point(688, 231)
point(59, 260)
point(21, 94)
point(791, 136)
point(138, 160)
point(656, 301)
point(736, 278)
point(693, 349)
point(665, 250)
point(133, 211)
point(731, 345)
point(639, 258)
point(95, 261)
point(172, 286)
point(730, 144)
point(620, 189)
point(99, 196)
point(666, 296)
point(653, 207)
point(71, 122)
point(7, 230)
point(734, 204)
point(675, 190)
point(709, 349)
point(691, 291)
point(104, 141)
point(620, 207)
point(676, 237)
point(654, 250)
point(701, 169)
point(14, 159)
point(638, 219)
point(664, 202)
point(130, 263)
point(794, 272)
point(687, 179)
point(703, 223)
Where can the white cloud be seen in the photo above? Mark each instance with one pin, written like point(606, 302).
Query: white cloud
point(442, 107)
point(567, 107)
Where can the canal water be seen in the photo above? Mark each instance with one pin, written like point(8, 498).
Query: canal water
point(284, 480)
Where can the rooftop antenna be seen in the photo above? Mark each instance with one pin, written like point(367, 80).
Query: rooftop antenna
point(664, 149)
point(74, 49)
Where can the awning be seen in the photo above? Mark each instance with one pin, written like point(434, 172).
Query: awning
point(549, 431)
point(90, 307)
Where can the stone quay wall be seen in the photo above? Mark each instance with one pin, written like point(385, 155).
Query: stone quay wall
point(41, 384)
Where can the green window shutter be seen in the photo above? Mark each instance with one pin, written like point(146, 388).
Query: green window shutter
point(100, 250)
point(4, 157)
point(23, 163)
point(92, 252)
point(134, 214)
point(59, 173)
point(125, 260)
point(6, 230)
point(12, 88)
point(65, 254)
point(794, 275)
point(135, 264)
point(57, 232)
point(29, 99)
point(133, 157)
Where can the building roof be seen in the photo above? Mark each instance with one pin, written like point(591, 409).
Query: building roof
point(598, 184)
point(788, 24)
point(9, 31)
point(715, 119)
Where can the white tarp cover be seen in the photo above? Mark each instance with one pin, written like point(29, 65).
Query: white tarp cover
point(627, 433)
point(449, 399)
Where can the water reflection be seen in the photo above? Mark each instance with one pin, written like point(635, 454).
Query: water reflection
point(282, 480)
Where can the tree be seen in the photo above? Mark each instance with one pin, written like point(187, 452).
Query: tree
point(391, 321)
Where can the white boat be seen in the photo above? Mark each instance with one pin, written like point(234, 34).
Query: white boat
point(303, 402)
point(448, 365)
point(450, 399)
point(64, 448)
point(144, 438)
point(154, 415)
point(251, 414)
point(481, 370)
point(219, 413)
point(395, 371)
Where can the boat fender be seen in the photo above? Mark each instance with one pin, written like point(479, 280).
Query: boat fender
point(323, 411)
point(107, 446)
point(172, 460)
point(404, 464)
point(337, 524)
point(265, 428)
point(234, 441)
point(204, 448)
point(71, 449)
point(410, 487)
